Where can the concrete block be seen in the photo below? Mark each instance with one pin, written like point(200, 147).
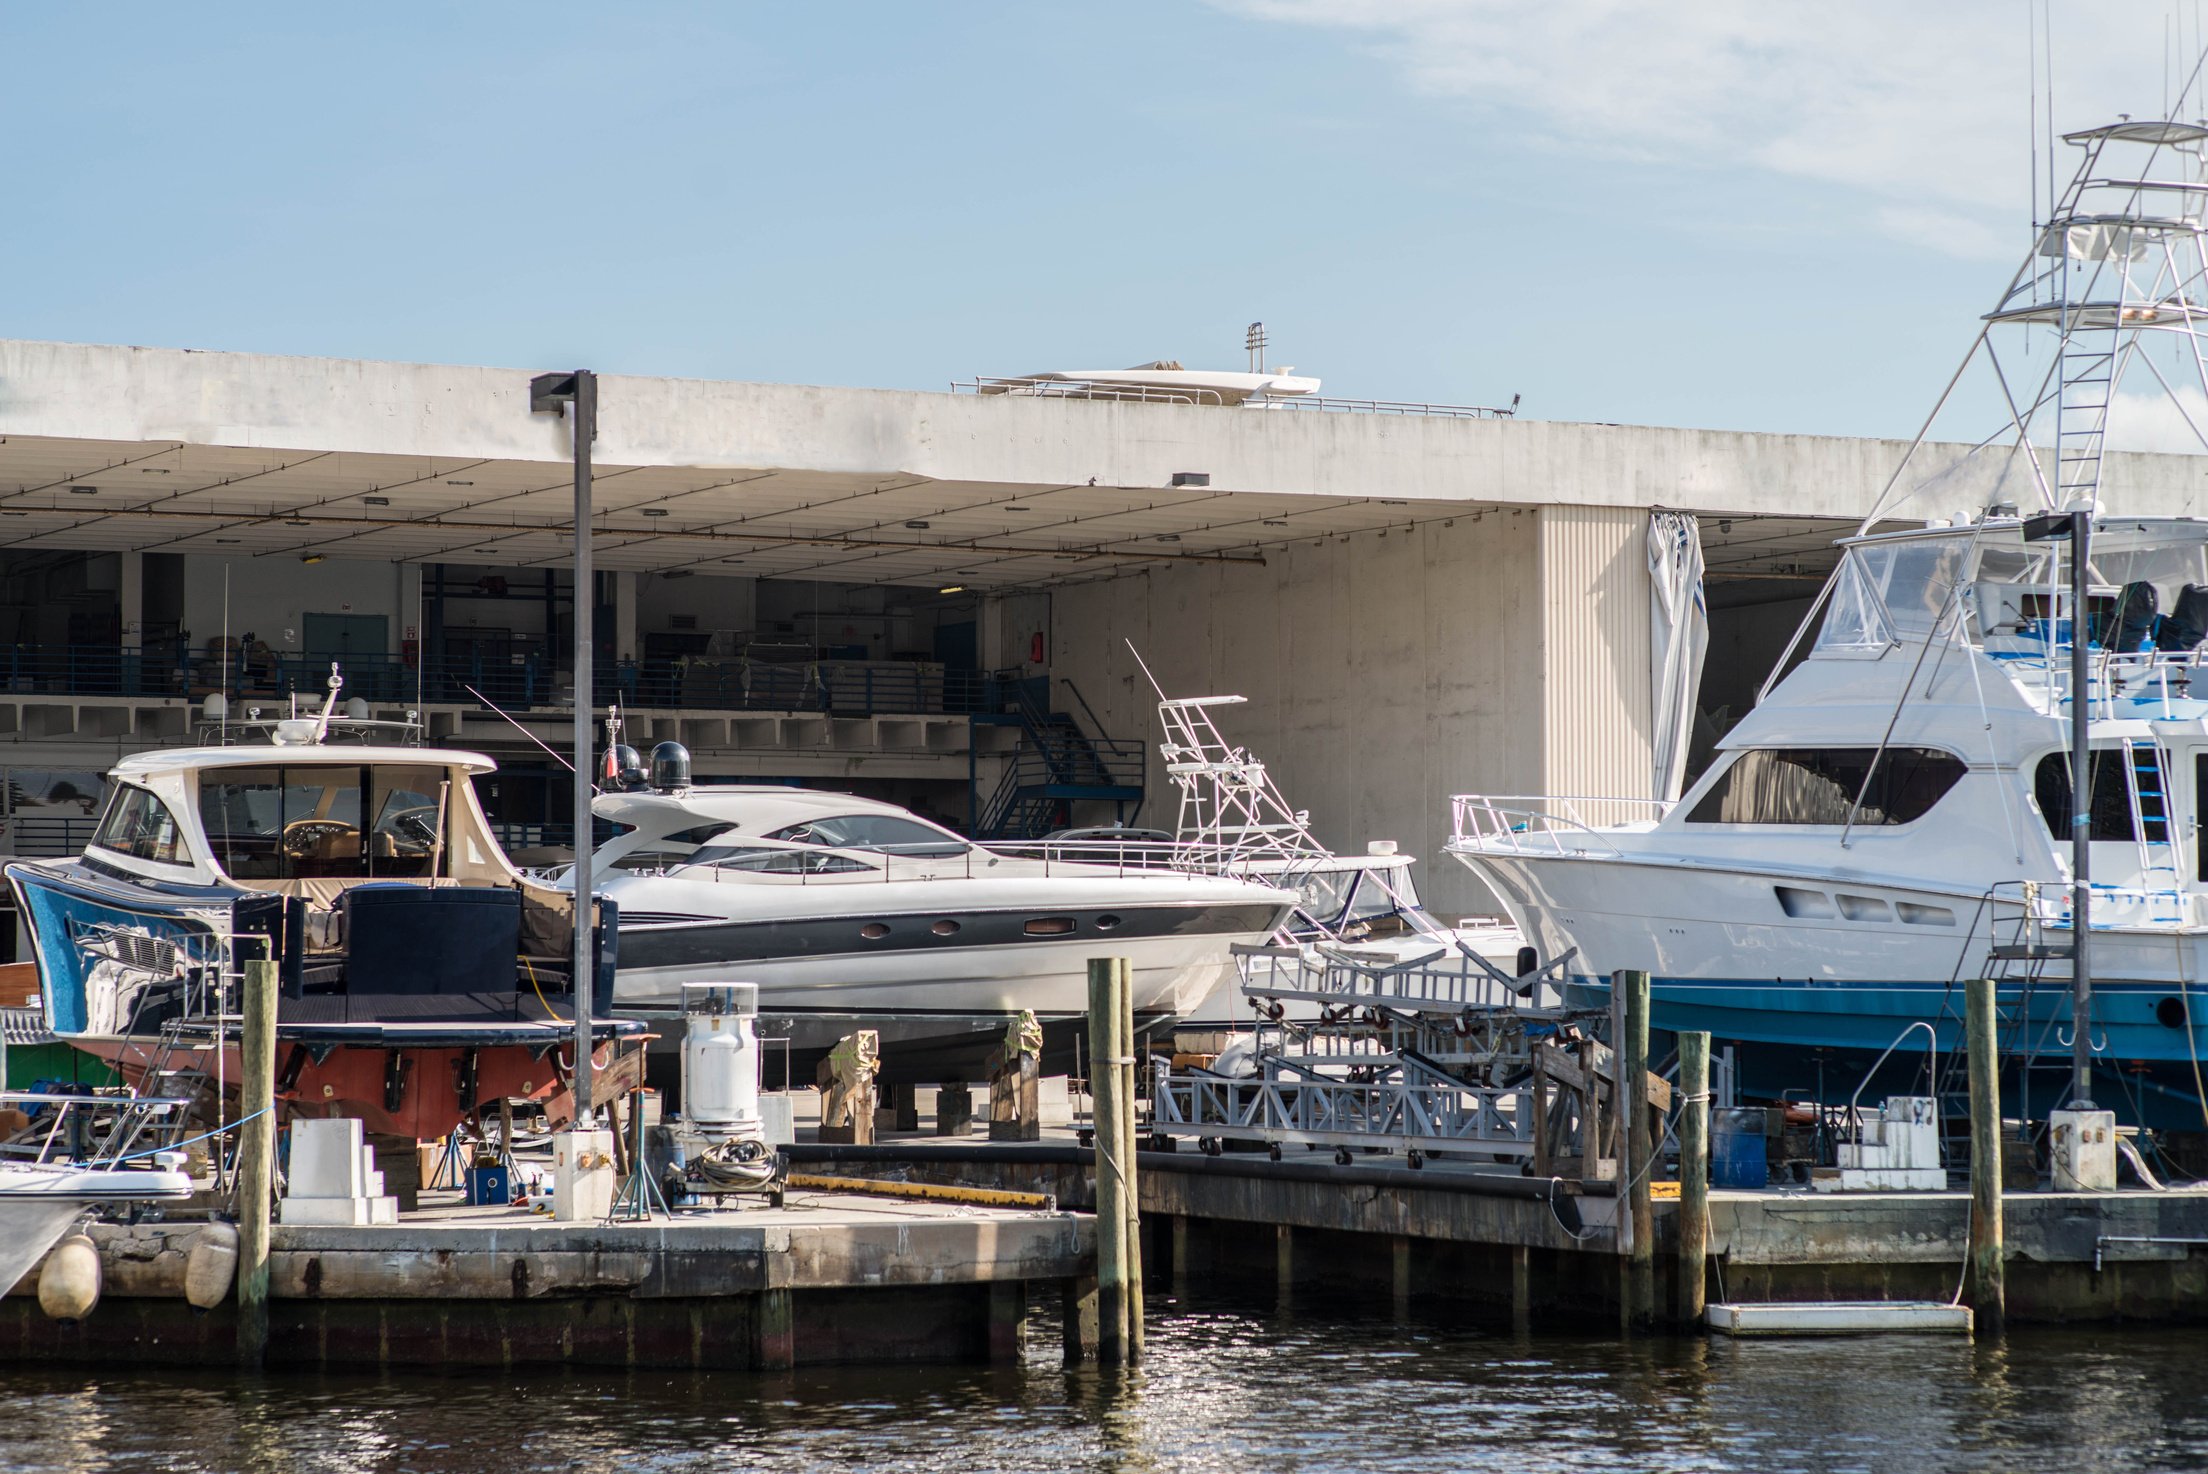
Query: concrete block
point(2081, 1148)
point(777, 1117)
point(328, 1160)
point(582, 1176)
point(1054, 1101)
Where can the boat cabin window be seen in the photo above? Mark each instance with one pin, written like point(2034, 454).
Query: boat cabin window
point(672, 849)
point(1322, 894)
point(139, 825)
point(2111, 795)
point(884, 832)
point(1818, 785)
point(761, 861)
point(295, 822)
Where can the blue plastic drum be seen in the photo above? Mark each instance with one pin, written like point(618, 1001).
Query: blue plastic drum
point(1737, 1157)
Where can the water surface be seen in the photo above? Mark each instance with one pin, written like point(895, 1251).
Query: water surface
point(1228, 1386)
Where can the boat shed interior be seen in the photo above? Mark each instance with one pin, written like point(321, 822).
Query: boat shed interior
point(934, 598)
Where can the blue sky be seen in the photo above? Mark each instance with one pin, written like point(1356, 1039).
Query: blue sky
point(1729, 214)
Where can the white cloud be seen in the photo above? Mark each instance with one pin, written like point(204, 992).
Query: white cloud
point(2156, 421)
point(1921, 109)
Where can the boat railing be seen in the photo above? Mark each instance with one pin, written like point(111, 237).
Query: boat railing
point(1545, 823)
point(2045, 906)
point(97, 1126)
point(1033, 388)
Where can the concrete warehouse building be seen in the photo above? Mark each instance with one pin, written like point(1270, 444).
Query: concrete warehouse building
point(928, 597)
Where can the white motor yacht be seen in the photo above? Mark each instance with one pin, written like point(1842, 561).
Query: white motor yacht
point(850, 913)
point(1896, 815)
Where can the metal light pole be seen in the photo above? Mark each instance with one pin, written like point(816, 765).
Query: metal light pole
point(547, 392)
point(2081, 817)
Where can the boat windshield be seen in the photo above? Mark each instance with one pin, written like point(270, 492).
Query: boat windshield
point(1384, 893)
point(884, 833)
point(761, 860)
point(2147, 589)
point(297, 821)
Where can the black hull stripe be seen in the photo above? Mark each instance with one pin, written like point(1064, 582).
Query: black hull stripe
point(763, 941)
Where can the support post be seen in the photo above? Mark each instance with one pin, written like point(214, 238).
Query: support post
point(1988, 1269)
point(256, 1157)
point(2081, 813)
point(1639, 1150)
point(1132, 1203)
point(1105, 1046)
point(1694, 1176)
point(1077, 1303)
point(583, 604)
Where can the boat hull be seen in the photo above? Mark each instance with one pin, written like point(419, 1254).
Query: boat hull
point(1724, 955)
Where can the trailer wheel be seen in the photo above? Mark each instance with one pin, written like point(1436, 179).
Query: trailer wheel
point(1414, 1159)
point(1208, 1145)
point(1341, 1156)
point(1273, 1151)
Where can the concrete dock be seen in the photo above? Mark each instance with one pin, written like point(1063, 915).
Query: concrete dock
point(1547, 1249)
point(829, 1278)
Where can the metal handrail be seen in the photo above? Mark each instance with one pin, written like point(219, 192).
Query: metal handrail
point(1496, 821)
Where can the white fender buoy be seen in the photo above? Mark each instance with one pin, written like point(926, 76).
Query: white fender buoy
point(211, 1267)
point(69, 1281)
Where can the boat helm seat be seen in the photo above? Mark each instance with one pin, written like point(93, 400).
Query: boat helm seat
point(2182, 629)
point(2135, 619)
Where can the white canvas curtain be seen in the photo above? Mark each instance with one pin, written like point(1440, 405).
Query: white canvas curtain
point(1679, 634)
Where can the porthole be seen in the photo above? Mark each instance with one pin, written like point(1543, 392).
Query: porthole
point(1107, 923)
point(945, 928)
point(874, 931)
point(1049, 926)
point(2170, 1013)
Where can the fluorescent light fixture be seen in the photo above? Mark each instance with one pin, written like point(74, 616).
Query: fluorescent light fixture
point(655, 511)
point(311, 558)
point(295, 522)
point(917, 526)
point(1169, 537)
point(376, 501)
point(956, 588)
point(84, 491)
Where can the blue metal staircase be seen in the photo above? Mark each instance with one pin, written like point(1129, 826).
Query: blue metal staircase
point(1059, 764)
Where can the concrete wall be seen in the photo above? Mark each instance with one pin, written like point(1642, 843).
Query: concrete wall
point(716, 603)
point(269, 596)
point(1384, 673)
point(120, 394)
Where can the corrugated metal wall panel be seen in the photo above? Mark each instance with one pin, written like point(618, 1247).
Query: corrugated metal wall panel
point(1596, 709)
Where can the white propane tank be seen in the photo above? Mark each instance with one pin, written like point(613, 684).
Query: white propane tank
point(720, 1056)
point(69, 1281)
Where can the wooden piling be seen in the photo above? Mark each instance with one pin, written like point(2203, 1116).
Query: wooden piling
point(1106, 987)
point(256, 1157)
point(1988, 1268)
point(1639, 1151)
point(1694, 1176)
point(1131, 1202)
